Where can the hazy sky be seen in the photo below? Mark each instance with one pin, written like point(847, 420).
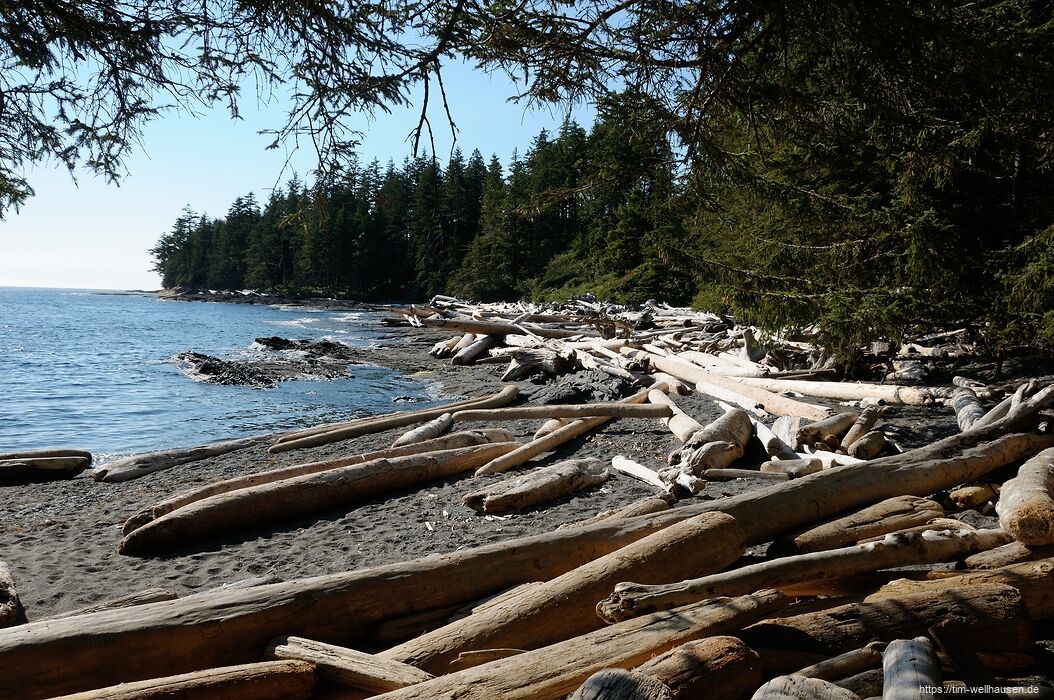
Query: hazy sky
point(96, 236)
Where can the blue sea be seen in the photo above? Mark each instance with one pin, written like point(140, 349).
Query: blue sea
point(93, 370)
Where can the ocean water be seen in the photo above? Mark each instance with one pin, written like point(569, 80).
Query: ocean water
point(93, 370)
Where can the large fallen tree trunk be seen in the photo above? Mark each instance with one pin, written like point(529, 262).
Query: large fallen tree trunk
point(843, 391)
point(147, 463)
point(633, 599)
point(228, 627)
point(11, 611)
point(538, 486)
point(1026, 502)
point(680, 423)
point(563, 607)
point(890, 515)
point(614, 409)
point(267, 680)
point(995, 619)
point(910, 670)
point(446, 442)
point(396, 420)
point(30, 470)
point(693, 374)
point(280, 500)
point(716, 667)
point(556, 670)
point(716, 445)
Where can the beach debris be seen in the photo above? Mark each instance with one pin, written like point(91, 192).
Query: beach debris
point(34, 466)
point(140, 465)
point(432, 429)
point(11, 610)
point(538, 486)
point(348, 667)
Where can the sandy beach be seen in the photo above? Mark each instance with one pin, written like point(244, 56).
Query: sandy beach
point(60, 538)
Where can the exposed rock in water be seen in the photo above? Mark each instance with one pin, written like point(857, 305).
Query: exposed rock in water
point(281, 359)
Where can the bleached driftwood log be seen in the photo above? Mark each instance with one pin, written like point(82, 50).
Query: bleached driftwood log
point(1012, 553)
point(774, 445)
point(844, 391)
point(973, 495)
point(868, 446)
point(882, 518)
point(11, 610)
point(802, 688)
point(367, 426)
point(717, 667)
point(968, 409)
point(643, 506)
point(638, 471)
point(451, 441)
point(1026, 502)
point(470, 353)
point(552, 440)
point(42, 465)
point(538, 486)
point(149, 462)
point(613, 409)
point(149, 595)
point(267, 680)
point(348, 667)
point(910, 669)
point(680, 423)
point(248, 507)
point(868, 417)
point(834, 426)
point(563, 607)
point(717, 444)
point(549, 426)
point(553, 671)
point(793, 468)
point(995, 619)
point(432, 429)
point(498, 328)
point(848, 664)
point(443, 348)
point(633, 599)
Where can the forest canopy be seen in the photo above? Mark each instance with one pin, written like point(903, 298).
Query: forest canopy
point(865, 166)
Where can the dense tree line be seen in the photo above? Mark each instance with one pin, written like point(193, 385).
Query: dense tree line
point(577, 212)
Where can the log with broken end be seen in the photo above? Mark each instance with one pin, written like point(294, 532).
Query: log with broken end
point(1012, 553)
point(249, 507)
point(430, 430)
point(869, 446)
point(563, 607)
point(553, 671)
point(973, 495)
point(967, 406)
point(11, 610)
point(538, 486)
point(348, 667)
point(680, 423)
point(863, 425)
point(877, 520)
point(844, 391)
point(717, 667)
point(910, 670)
point(147, 463)
point(368, 426)
point(1026, 502)
point(793, 468)
point(802, 688)
point(476, 349)
point(632, 599)
point(266, 680)
point(836, 425)
point(848, 664)
point(717, 444)
point(450, 441)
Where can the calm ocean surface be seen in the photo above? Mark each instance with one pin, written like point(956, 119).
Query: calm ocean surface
point(92, 370)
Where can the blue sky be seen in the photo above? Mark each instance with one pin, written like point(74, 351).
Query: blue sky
point(96, 236)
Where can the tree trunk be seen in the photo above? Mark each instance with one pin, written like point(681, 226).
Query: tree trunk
point(396, 420)
point(538, 486)
point(1026, 502)
point(890, 515)
point(614, 410)
point(968, 409)
point(731, 474)
point(348, 667)
point(848, 664)
point(973, 495)
point(617, 684)
point(550, 426)
point(680, 423)
point(564, 607)
point(717, 445)
point(643, 506)
point(1013, 553)
point(802, 688)
point(868, 417)
point(303, 495)
point(30, 470)
point(835, 426)
point(149, 462)
point(910, 670)
point(994, 616)
point(844, 391)
point(267, 680)
point(717, 667)
point(793, 468)
point(772, 403)
point(633, 599)
point(430, 430)
point(470, 353)
point(447, 442)
point(150, 595)
point(556, 670)
point(869, 446)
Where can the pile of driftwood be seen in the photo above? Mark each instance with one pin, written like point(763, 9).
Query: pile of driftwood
point(33, 466)
point(869, 584)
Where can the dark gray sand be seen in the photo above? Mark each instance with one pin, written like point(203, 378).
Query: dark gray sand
point(60, 538)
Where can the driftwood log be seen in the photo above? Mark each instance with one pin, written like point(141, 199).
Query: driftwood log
point(967, 406)
point(446, 442)
point(680, 423)
point(869, 446)
point(280, 500)
point(147, 463)
point(430, 430)
point(538, 486)
point(632, 599)
point(150, 595)
point(717, 445)
point(890, 515)
point(910, 670)
point(868, 417)
point(267, 680)
point(368, 426)
point(348, 667)
point(1026, 502)
point(556, 670)
point(844, 391)
point(848, 664)
point(836, 426)
point(802, 688)
point(563, 607)
point(1013, 553)
point(49, 467)
point(717, 667)
point(613, 409)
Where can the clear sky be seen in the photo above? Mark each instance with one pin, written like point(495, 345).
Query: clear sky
point(96, 236)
